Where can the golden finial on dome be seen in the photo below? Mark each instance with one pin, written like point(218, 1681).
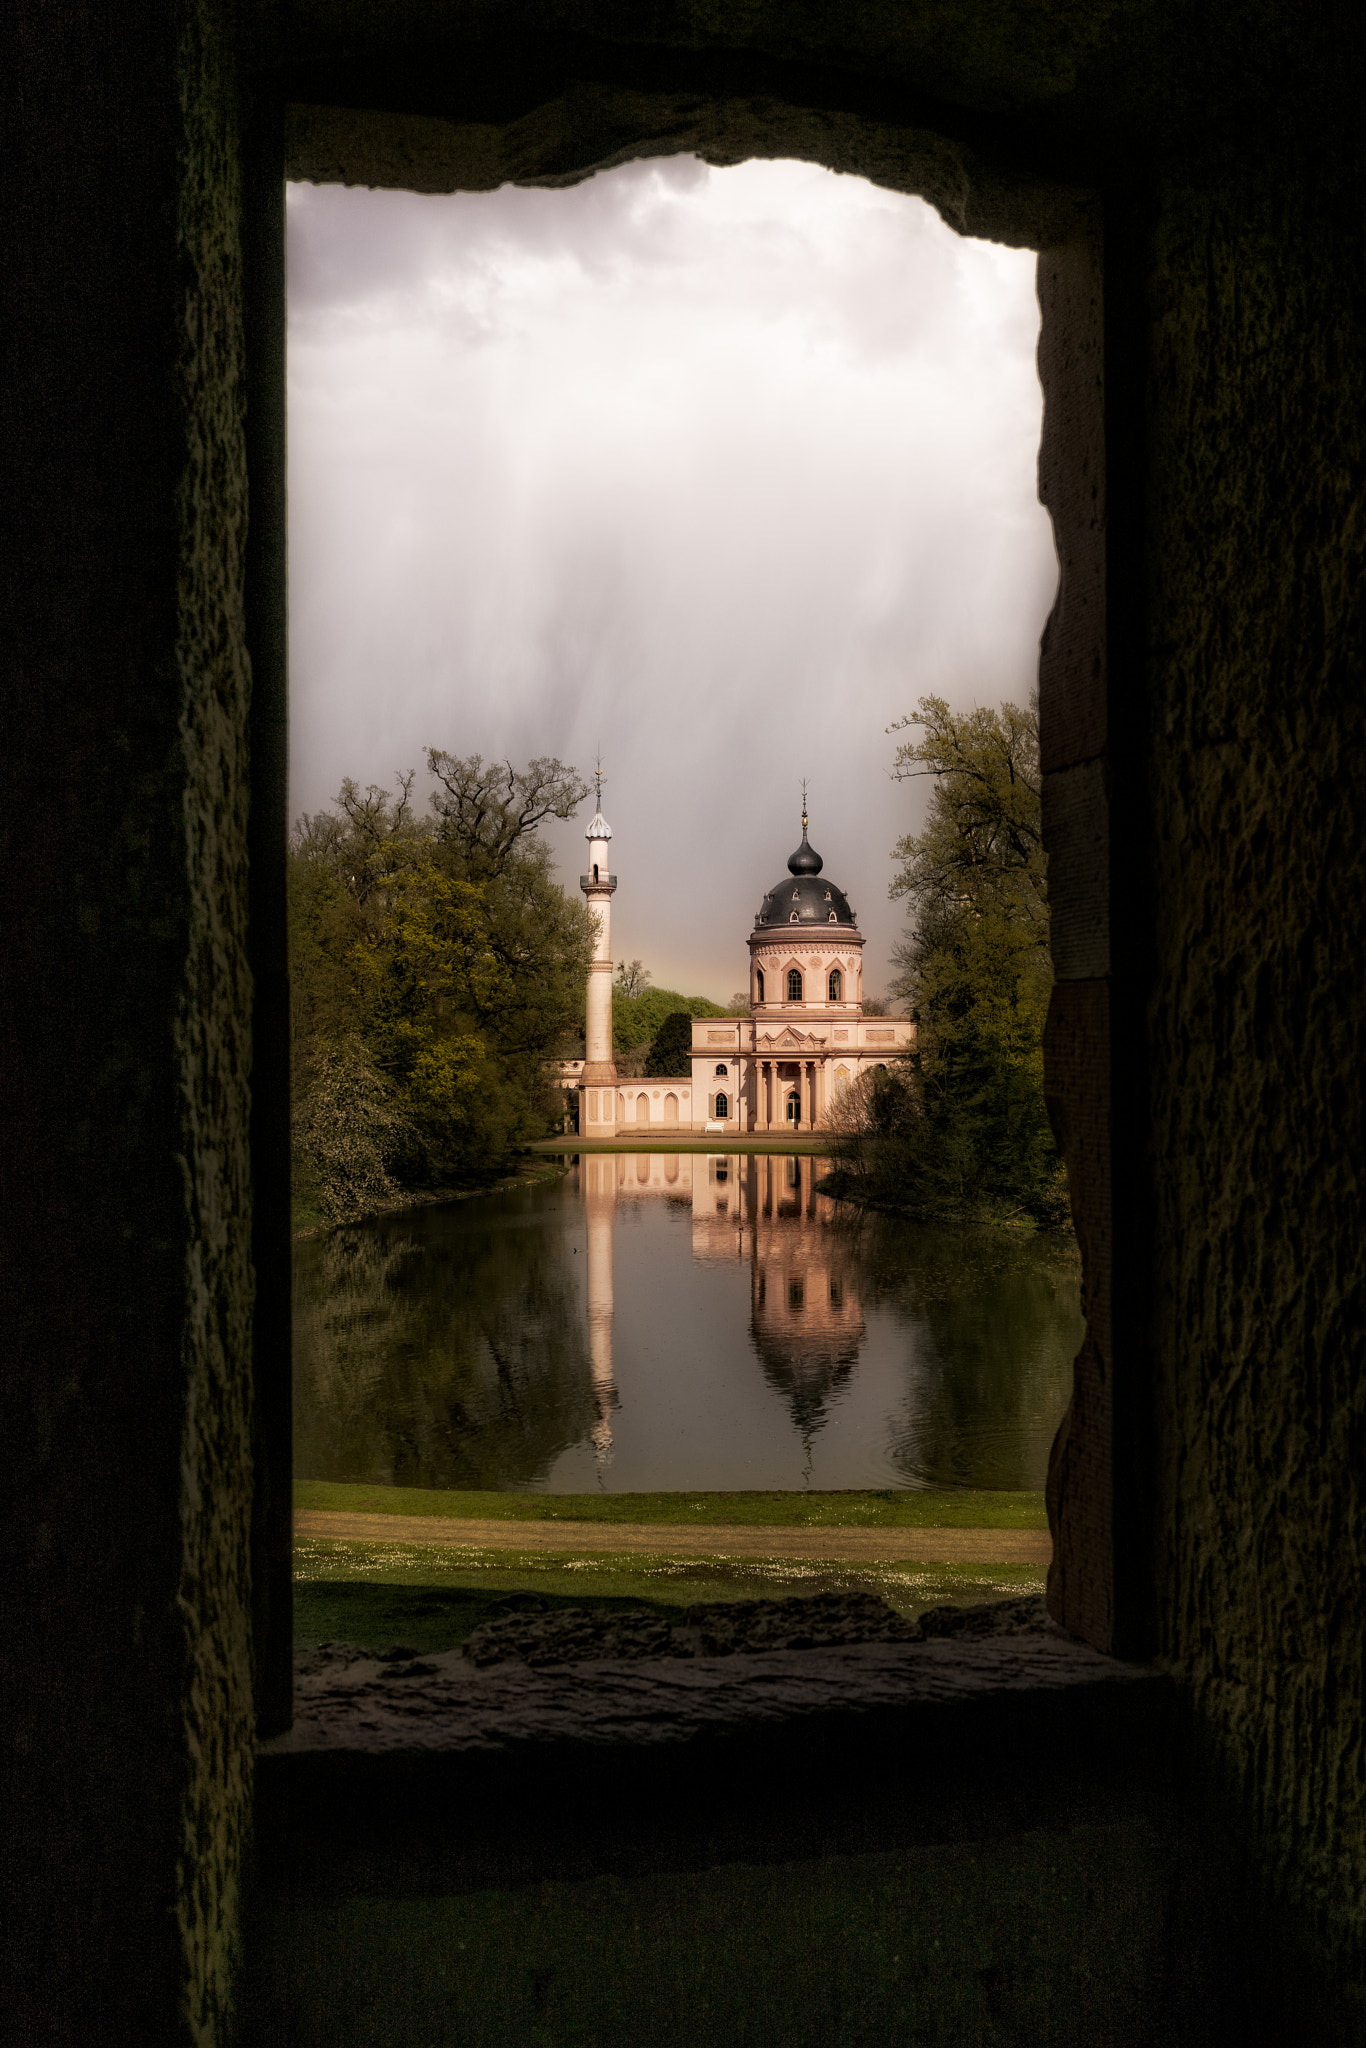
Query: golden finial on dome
point(804, 820)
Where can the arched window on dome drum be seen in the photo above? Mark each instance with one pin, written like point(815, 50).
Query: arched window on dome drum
point(759, 982)
point(722, 1068)
point(835, 985)
point(794, 985)
point(722, 1106)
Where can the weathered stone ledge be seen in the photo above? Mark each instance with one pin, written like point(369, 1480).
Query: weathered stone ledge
point(445, 1703)
point(435, 1774)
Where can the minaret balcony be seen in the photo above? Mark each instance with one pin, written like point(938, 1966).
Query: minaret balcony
point(597, 885)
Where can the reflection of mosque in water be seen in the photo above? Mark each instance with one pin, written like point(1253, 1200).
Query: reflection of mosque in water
point(806, 1314)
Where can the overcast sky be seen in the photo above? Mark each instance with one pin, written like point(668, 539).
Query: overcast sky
point(716, 470)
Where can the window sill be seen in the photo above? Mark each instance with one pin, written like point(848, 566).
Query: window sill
point(456, 1777)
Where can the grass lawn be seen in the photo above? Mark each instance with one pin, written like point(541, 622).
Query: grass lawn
point(377, 1594)
point(790, 1510)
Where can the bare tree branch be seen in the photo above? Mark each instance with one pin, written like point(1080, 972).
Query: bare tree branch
point(484, 811)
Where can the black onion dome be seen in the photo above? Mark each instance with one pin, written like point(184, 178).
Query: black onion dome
point(806, 860)
point(805, 899)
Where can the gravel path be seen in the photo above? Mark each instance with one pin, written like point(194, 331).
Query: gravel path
point(864, 1546)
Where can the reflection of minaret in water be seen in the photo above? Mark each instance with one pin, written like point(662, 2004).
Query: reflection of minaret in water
point(600, 1207)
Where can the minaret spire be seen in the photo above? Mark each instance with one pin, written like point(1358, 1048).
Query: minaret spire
point(599, 1068)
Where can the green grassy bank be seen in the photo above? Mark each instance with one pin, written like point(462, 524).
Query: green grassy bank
point(789, 1510)
point(378, 1594)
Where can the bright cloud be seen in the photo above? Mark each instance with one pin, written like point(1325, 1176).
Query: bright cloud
point(720, 470)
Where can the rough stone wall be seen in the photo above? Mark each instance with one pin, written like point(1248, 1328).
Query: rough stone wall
point(1257, 679)
point(213, 1035)
point(123, 1055)
point(124, 1191)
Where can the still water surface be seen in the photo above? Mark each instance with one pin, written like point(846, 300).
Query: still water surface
point(666, 1321)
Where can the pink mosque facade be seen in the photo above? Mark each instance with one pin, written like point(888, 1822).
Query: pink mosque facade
point(779, 1069)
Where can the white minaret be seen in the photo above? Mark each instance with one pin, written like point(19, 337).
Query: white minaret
point(597, 1096)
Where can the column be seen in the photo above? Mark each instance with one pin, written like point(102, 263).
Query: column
point(761, 1095)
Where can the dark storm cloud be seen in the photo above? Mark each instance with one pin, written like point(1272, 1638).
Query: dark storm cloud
point(720, 470)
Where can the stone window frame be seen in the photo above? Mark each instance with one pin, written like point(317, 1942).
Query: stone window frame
point(1090, 481)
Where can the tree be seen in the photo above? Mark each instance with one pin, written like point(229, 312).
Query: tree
point(445, 950)
point(633, 978)
point(671, 1052)
point(638, 1022)
point(484, 812)
point(963, 1127)
point(983, 836)
point(347, 1133)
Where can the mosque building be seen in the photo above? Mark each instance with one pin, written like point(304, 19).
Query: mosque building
point(778, 1069)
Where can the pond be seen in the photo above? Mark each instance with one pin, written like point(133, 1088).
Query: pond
point(663, 1321)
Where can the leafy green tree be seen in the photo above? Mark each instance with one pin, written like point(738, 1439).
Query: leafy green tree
point(348, 1134)
point(444, 948)
point(962, 1128)
point(639, 1022)
point(671, 1052)
point(983, 836)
